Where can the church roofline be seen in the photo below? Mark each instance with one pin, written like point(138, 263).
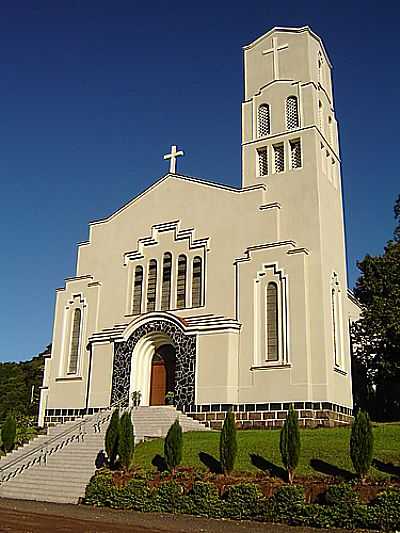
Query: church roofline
point(288, 29)
point(199, 181)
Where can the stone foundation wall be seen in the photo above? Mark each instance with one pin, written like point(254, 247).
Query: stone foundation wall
point(270, 416)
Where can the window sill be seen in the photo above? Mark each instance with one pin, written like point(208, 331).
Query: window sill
point(270, 366)
point(340, 371)
point(69, 378)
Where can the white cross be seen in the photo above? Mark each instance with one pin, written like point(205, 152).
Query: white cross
point(275, 59)
point(172, 156)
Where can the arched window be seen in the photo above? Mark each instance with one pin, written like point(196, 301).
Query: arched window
point(336, 320)
point(75, 342)
point(264, 123)
point(166, 282)
point(272, 322)
point(151, 285)
point(181, 282)
point(197, 282)
point(292, 113)
point(137, 291)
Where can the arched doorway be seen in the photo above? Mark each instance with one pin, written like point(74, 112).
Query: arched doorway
point(162, 379)
point(133, 361)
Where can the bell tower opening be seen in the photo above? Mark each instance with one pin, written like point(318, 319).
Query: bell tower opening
point(162, 378)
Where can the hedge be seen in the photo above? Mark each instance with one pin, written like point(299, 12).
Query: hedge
point(341, 508)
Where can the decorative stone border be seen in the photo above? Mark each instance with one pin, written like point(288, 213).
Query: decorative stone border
point(185, 354)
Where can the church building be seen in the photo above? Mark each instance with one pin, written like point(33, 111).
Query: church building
point(213, 297)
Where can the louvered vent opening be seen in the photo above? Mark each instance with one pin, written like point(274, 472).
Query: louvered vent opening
point(197, 282)
point(181, 282)
point(166, 282)
point(152, 286)
point(292, 113)
point(279, 157)
point(272, 322)
point(137, 291)
point(263, 162)
point(295, 152)
point(264, 126)
point(75, 336)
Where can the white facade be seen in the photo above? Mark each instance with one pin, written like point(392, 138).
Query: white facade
point(248, 286)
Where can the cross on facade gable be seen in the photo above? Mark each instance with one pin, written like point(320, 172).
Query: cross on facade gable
point(275, 56)
point(172, 156)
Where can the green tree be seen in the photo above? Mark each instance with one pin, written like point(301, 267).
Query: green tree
point(8, 433)
point(397, 219)
point(112, 437)
point(173, 446)
point(376, 336)
point(361, 444)
point(228, 443)
point(126, 441)
point(290, 444)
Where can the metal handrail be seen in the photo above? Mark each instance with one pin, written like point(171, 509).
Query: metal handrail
point(40, 453)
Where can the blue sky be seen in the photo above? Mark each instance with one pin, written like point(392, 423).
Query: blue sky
point(93, 93)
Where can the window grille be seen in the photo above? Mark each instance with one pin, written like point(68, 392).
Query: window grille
point(272, 322)
point(197, 282)
point(166, 282)
point(292, 113)
point(264, 125)
point(75, 338)
point(181, 282)
point(295, 153)
point(263, 162)
point(137, 291)
point(152, 286)
point(279, 157)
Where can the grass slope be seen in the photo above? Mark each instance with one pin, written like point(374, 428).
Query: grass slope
point(331, 446)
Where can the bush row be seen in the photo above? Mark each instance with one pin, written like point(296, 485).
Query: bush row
point(342, 507)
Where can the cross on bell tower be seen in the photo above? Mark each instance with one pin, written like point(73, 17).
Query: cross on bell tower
point(275, 56)
point(172, 156)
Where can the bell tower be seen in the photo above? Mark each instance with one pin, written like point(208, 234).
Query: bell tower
point(288, 93)
point(290, 144)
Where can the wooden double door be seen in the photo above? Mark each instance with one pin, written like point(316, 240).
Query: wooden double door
point(162, 378)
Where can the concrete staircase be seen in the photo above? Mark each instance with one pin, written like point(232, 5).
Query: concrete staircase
point(64, 475)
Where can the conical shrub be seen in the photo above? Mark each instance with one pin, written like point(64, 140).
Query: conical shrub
point(126, 441)
point(173, 446)
point(228, 444)
point(289, 443)
point(9, 432)
point(112, 437)
point(361, 444)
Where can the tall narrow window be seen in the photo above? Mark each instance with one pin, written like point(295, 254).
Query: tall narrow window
point(166, 282)
point(279, 157)
point(197, 282)
point(75, 342)
point(263, 162)
point(264, 124)
point(272, 322)
point(295, 153)
point(152, 285)
point(321, 116)
point(334, 329)
point(137, 291)
point(292, 113)
point(336, 320)
point(181, 282)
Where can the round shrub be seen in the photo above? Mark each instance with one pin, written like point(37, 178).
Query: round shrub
point(342, 494)
point(99, 490)
point(242, 501)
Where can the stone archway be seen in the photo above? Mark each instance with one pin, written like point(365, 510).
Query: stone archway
point(185, 356)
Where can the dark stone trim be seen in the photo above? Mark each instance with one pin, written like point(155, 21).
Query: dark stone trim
point(185, 353)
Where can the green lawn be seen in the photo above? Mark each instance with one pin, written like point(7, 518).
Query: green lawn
point(327, 445)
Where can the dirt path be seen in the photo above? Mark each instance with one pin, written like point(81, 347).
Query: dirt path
point(19, 516)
